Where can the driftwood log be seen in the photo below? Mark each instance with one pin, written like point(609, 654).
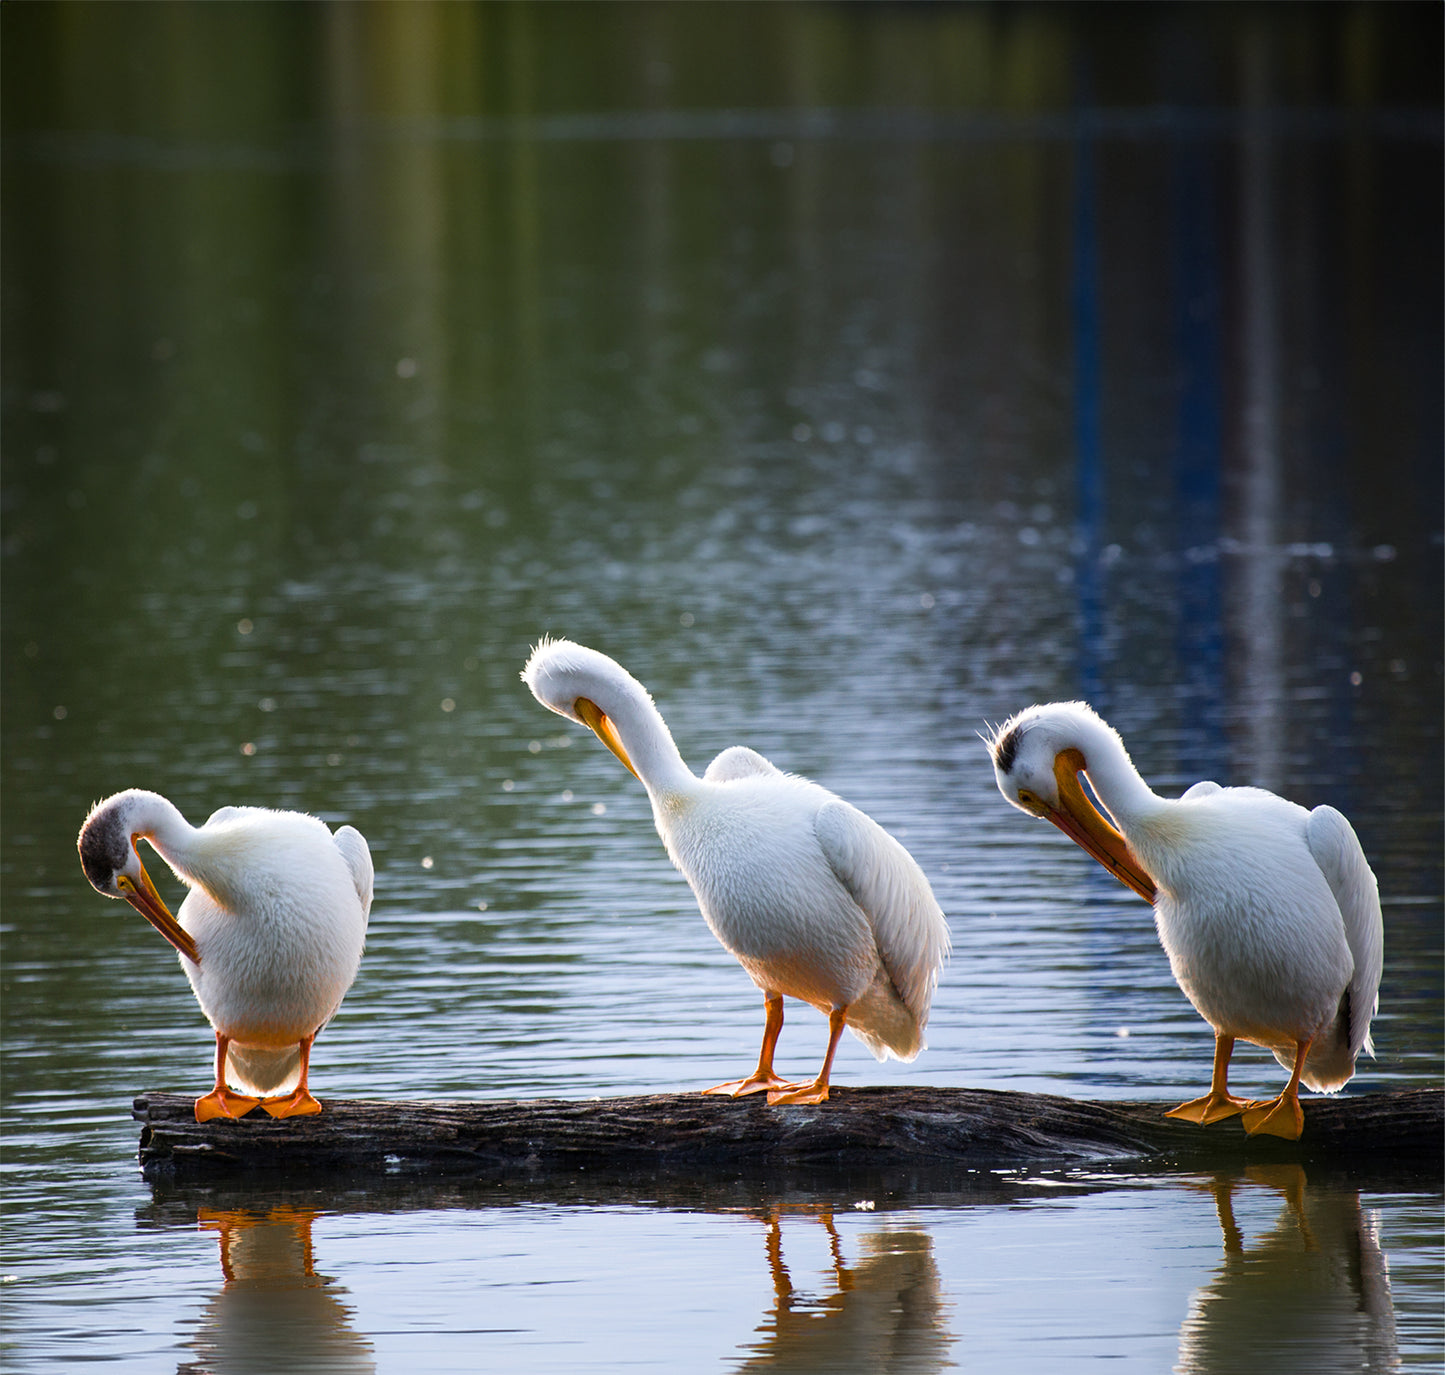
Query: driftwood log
point(881, 1131)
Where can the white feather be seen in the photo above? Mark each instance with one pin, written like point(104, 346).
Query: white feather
point(813, 898)
point(1269, 914)
point(277, 907)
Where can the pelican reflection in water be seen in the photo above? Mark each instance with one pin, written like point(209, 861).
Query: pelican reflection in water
point(274, 1313)
point(885, 1314)
point(1311, 1294)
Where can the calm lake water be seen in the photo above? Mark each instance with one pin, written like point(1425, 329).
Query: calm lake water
point(856, 376)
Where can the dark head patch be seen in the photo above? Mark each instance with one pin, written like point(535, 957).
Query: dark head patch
point(1005, 747)
point(104, 847)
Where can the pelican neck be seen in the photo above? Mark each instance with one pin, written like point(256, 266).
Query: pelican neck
point(649, 745)
point(159, 820)
point(1115, 780)
point(177, 842)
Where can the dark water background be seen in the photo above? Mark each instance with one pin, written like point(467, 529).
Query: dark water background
point(855, 375)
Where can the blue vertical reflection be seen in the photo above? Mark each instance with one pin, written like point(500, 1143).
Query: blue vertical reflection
point(1088, 391)
point(1197, 460)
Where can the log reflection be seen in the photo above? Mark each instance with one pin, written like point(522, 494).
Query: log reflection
point(1311, 1294)
point(273, 1312)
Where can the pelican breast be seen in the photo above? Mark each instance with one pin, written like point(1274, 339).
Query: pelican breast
point(750, 851)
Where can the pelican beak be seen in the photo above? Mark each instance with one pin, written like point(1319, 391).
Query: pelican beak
point(1083, 823)
point(592, 715)
point(143, 897)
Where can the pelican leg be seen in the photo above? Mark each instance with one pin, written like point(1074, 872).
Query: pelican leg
point(223, 1101)
point(782, 1282)
point(762, 1078)
point(1281, 1116)
point(1218, 1103)
point(817, 1091)
point(1223, 1191)
point(300, 1103)
point(841, 1273)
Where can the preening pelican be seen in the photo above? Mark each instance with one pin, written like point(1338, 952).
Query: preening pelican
point(814, 899)
point(1269, 913)
point(270, 935)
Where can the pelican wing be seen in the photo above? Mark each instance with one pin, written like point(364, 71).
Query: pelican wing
point(1336, 849)
point(738, 762)
point(357, 854)
point(883, 879)
point(1203, 788)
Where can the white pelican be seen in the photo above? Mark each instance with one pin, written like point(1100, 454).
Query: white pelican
point(270, 935)
point(814, 899)
point(1269, 913)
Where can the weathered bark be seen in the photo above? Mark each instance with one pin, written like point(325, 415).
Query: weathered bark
point(878, 1129)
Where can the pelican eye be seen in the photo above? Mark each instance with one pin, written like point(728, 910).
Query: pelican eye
point(1030, 800)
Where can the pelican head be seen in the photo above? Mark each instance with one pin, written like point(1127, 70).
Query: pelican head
point(569, 678)
point(1038, 756)
point(111, 862)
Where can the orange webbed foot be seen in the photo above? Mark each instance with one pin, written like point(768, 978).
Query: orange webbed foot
point(1213, 1107)
point(299, 1104)
point(806, 1093)
point(223, 1103)
point(754, 1083)
point(1280, 1116)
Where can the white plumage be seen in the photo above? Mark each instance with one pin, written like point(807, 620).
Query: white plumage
point(270, 934)
point(1269, 913)
point(814, 899)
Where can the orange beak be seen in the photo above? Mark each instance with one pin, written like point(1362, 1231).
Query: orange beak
point(594, 717)
point(144, 898)
point(1083, 823)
